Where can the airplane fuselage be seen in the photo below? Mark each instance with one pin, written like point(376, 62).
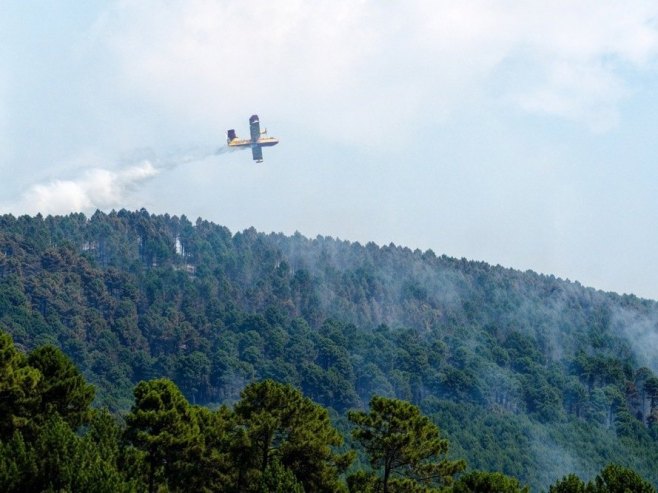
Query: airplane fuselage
point(257, 141)
point(261, 142)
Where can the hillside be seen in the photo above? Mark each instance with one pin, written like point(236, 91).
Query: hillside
point(526, 374)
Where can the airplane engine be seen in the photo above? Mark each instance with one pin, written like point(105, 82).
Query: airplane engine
point(230, 134)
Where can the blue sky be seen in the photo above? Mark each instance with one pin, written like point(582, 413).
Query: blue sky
point(518, 133)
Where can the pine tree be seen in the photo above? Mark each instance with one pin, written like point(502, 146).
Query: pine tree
point(488, 482)
point(618, 479)
point(62, 388)
point(18, 384)
point(400, 440)
point(568, 484)
point(161, 424)
point(56, 459)
point(282, 425)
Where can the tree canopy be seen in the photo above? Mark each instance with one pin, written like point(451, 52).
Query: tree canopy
point(400, 441)
point(274, 439)
point(516, 367)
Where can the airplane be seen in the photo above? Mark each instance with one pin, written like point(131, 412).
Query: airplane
point(256, 142)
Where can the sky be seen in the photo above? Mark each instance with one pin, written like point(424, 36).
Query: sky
point(516, 133)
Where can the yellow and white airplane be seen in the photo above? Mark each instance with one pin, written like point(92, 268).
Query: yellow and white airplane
point(258, 140)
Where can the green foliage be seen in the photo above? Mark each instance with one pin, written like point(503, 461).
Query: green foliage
point(18, 383)
point(279, 479)
point(58, 460)
point(569, 484)
point(488, 482)
point(612, 479)
point(284, 426)
point(617, 479)
point(162, 425)
point(399, 440)
point(274, 440)
point(363, 482)
point(131, 296)
point(61, 388)
point(210, 462)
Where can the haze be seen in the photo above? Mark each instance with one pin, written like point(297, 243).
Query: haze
point(518, 133)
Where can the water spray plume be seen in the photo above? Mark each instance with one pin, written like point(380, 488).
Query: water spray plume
point(103, 188)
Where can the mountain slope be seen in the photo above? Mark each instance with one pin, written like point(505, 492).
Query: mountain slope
point(520, 369)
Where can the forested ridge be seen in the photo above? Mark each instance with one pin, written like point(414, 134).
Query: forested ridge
point(525, 374)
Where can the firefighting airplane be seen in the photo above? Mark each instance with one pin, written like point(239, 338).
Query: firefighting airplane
point(258, 140)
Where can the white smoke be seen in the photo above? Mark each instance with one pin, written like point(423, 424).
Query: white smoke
point(189, 156)
point(100, 188)
point(95, 189)
point(641, 331)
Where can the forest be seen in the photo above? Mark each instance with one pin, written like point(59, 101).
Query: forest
point(533, 380)
point(274, 439)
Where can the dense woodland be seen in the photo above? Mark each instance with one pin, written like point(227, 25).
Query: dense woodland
point(527, 376)
point(273, 440)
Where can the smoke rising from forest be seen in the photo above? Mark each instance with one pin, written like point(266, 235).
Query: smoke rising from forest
point(103, 188)
point(641, 331)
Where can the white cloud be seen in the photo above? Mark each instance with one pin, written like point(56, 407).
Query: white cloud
point(4, 140)
point(340, 62)
point(582, 92)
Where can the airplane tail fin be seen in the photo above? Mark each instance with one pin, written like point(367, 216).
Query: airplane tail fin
point(230, 135)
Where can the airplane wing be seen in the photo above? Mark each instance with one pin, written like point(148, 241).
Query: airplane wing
point(257, 153)
point(254, 128)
